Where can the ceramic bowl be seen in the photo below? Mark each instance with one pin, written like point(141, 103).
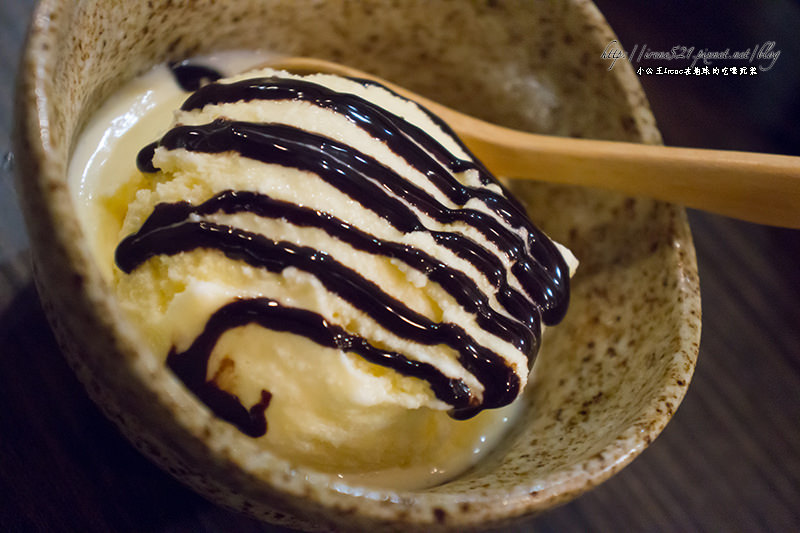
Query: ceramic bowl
point(609, 377)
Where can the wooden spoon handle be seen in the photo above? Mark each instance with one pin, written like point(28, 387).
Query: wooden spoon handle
point(760, 188)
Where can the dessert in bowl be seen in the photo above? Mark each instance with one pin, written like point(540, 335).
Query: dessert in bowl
point(608, 377)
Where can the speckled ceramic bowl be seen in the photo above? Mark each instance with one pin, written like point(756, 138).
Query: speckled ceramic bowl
point(609, 378)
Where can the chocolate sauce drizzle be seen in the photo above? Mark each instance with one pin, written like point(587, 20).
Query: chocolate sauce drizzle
point(191, 76)
point(150, 239)
point(428, 156)
point(536, 263)
point(191, 365)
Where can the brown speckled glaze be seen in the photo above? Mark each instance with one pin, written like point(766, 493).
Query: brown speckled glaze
point(609, 378)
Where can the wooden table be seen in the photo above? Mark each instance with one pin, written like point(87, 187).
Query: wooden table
point(729, 460)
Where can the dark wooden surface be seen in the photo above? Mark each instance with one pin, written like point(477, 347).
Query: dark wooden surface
point(729, 460)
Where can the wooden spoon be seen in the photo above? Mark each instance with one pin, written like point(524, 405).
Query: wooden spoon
point(756, 187)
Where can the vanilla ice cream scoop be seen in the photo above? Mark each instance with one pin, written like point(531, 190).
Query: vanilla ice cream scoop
point(324, 265)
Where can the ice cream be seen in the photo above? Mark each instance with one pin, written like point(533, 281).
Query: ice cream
point(322, 264)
